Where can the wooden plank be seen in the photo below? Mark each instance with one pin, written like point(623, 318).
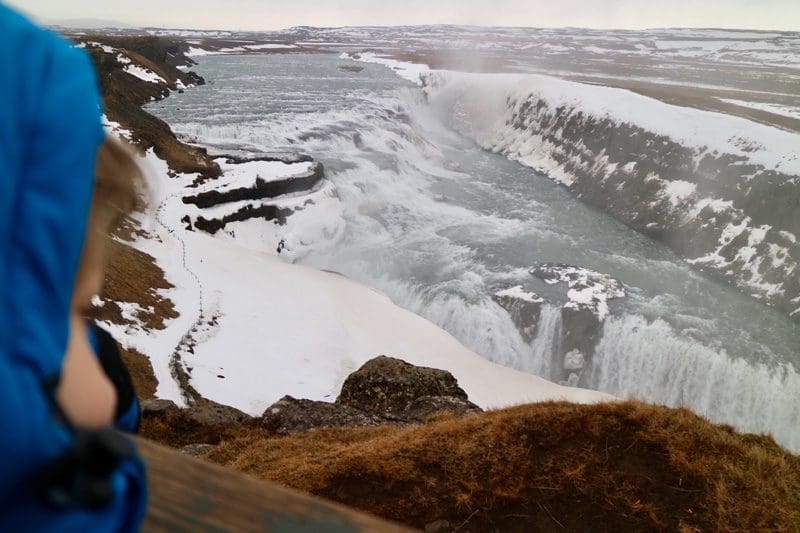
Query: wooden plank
point(188, 494)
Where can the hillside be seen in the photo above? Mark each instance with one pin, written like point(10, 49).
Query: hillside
point(135, 70)
point(541, 467)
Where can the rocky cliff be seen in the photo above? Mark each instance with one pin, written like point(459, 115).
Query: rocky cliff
point(721, 191)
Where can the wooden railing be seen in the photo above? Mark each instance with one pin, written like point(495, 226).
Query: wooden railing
point(188, 494)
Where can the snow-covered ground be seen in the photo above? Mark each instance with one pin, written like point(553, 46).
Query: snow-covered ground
point(788, 111)
point(586, 289)
point(198, 50)
point(413, 72)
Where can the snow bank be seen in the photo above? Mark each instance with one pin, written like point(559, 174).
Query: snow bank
point(587, 289)
point(236, 175)
point(288, 329)
point(196, 51)
point(270, 46)
point(518, 293)
point(413, 72)
point(144, 74)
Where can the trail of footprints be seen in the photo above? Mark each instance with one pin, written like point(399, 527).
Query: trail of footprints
point(178, 368)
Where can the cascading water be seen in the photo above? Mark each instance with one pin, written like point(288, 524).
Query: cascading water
point(440, 225)
point(646, 359)
point(546, 343)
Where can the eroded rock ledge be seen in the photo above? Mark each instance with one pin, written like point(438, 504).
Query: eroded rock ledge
point(582, 315)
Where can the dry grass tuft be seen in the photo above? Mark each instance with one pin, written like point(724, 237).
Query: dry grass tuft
point(541, 467)
point(133, 276)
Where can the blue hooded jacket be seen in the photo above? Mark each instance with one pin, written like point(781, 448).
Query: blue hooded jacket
point(50, 130)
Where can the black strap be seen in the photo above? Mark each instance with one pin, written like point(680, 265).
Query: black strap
point(83, 475)
point(111, 361)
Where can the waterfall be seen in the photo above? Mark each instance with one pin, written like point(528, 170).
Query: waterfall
point(546, 344)
point(653, 362)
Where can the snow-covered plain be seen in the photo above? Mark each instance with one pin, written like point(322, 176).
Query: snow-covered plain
point(198, 51)
point(788, 111)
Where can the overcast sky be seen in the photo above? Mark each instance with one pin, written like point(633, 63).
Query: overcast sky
point(276, 14)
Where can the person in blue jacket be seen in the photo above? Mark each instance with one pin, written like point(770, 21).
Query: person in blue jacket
point(56, 474)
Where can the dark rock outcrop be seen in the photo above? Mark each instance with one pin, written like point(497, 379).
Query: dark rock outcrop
point(383, 391)
point(261, 189)
point(422, 409)
point(124, 94)
point(157, 407)
point(282, 157)
point(386, 387)
point(290, 414)
point(525, 309)
point(580, 332)
point(205, 413)
point(267, 212)
point(210, 413)
point(582, 316)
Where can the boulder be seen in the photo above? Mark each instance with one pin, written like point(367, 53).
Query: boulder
point(205, 413)
point(156, 407)
point(197, 450)
point(422, 409)
point(289, 414)
point(208, 413)
point(385, 387)
point(574, 360)
point(525, 309)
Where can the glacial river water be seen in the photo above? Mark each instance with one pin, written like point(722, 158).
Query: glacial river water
point(439, 225)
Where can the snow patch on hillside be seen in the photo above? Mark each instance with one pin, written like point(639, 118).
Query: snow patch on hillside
point(144, 74)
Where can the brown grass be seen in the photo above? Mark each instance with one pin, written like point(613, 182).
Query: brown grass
point(175, 429)
point(542, 467)
point(133, 276)
point(124, 95)
point(141, 371)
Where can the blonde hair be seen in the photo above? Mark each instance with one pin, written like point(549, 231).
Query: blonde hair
point(119, 184)
point(119, 187)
